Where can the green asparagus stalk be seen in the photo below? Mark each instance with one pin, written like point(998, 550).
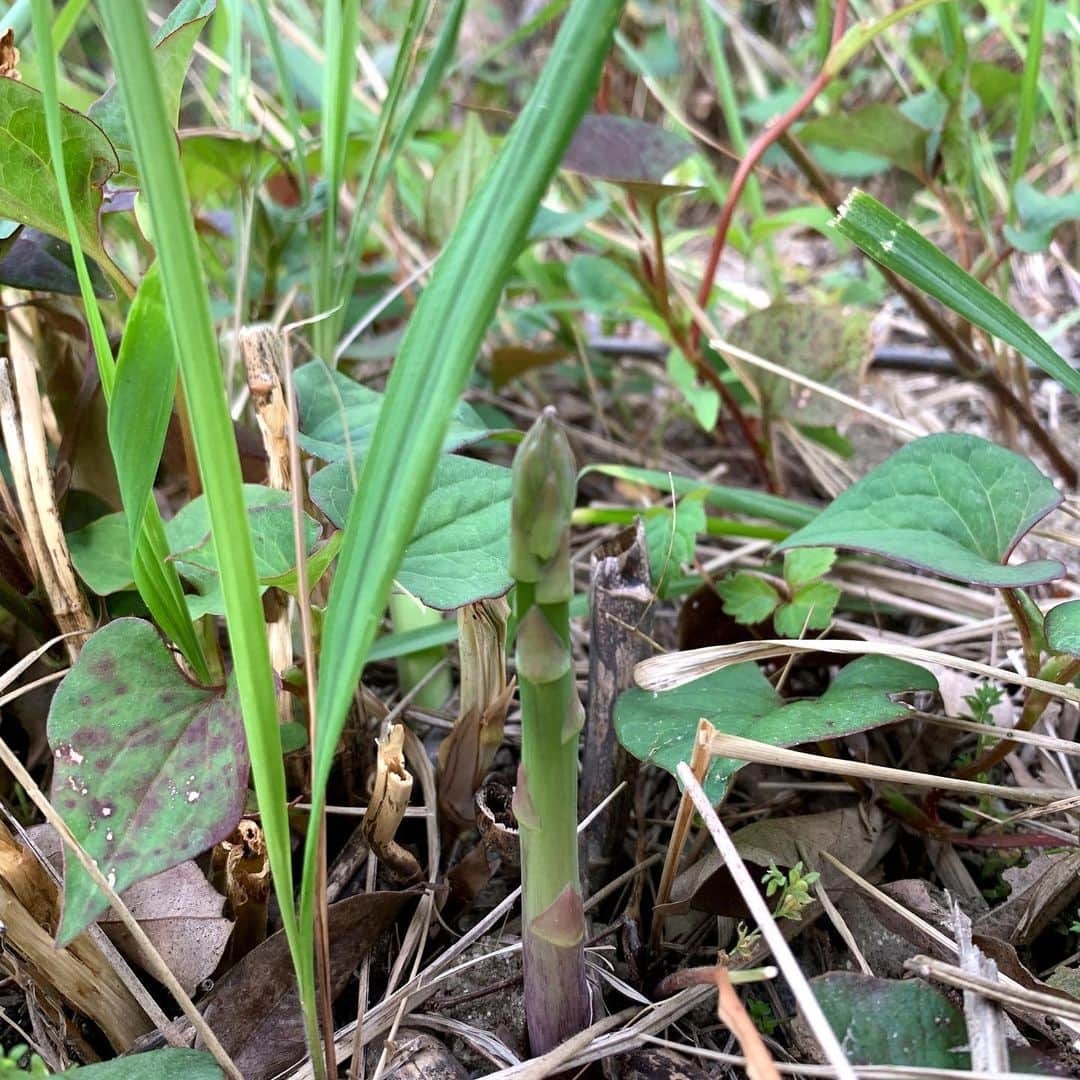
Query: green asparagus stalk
point(545, 799)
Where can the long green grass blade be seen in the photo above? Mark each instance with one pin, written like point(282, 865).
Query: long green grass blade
point(891, 241)
point(219, 466)
point(1029, 99)
point(155, 577)
point(340, 29)
point(432, 366)
point(381, 157)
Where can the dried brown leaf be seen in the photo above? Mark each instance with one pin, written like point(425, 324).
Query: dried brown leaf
point(255, 1009)
point(858, 836)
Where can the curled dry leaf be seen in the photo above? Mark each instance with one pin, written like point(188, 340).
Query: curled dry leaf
point(466, 754)
point(387, 805)
point(9, 55)
point(242, 869)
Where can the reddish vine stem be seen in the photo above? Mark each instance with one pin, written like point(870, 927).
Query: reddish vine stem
point(754, 153)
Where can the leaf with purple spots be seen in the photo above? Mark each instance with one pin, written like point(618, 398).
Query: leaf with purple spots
point(150, 768)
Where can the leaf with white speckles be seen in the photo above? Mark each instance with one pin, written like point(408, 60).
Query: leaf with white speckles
point(150, 768)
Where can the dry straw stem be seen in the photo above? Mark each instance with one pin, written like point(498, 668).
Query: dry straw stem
point(261, 350)
point(24, 437)
point(262, 353)
point(864, 1072)
point(772, 934)
point(1031, 738)
point(735, 746)
point(152, 958)
point(674, 669)
point(699, 764)
point(1019, 997)
point(80, 974)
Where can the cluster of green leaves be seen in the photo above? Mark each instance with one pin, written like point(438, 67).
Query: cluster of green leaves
point(792, 890)
point(798, 602)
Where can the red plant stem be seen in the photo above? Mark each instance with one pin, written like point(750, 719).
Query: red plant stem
point(754, 153)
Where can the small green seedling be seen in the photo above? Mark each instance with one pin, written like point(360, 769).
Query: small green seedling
point(797, 602)
point(16, 1063)
point(794, 889)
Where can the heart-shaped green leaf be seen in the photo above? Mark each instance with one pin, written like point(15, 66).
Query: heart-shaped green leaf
point(953, 504)
point(337, 415)
point(1062, 628)
point(270, 516)
point(102, 556)
point(739, 700)
point(28, 191)
point(461, 545)
point(892, 1022)
point(149, 768)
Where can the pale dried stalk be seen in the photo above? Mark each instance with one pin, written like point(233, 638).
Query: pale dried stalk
point(24, 437)
point(263, 355)
point(151, 957)
point(466, 754)
point(735, 746)
point(1032, 738)
point(80, 974)
point(387, 805)
point(675, 669)
point(985, 1020)
point(700, 757)
point(1012, 996)
point(772, 934)
point(864, 1072)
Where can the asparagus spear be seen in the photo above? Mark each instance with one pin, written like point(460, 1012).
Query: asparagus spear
point(545, 799)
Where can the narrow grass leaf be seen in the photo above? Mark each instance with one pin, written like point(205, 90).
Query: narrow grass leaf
point(157, 156)
point(891, 241)
point(432, 366)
